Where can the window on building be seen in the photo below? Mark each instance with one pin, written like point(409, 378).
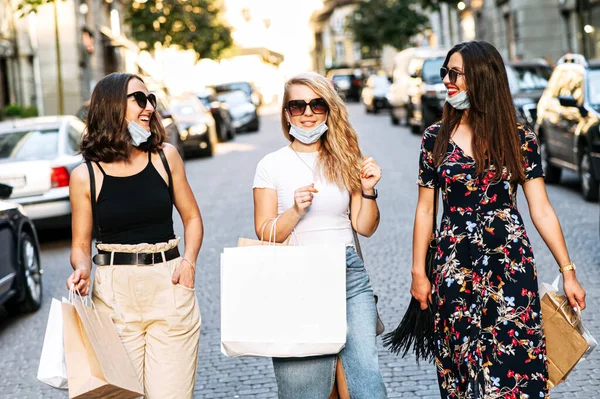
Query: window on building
point(340, 54)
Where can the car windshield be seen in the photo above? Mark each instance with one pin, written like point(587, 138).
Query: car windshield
point(234, 98)
point(381, 81)
point(431, 70)
point(29, 145)
point(529, 77)
point(245, 87)
point(184, 108)
point(594, 87)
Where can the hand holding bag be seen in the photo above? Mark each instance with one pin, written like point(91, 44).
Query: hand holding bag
point(97, 364)
point(417, 326)
point(567, 341)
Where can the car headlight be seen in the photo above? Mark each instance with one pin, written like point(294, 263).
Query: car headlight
point(197, 129)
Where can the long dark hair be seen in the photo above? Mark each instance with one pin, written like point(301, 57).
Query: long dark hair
point(492, 115)
point(106, 138)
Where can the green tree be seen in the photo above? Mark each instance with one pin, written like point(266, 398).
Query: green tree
point(191, 24)
point(376, 23)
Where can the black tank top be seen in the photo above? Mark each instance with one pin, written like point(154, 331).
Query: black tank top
point(134, 209)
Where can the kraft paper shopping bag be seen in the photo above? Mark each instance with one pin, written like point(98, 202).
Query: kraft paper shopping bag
point(97, 364)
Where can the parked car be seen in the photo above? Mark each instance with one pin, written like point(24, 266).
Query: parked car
point(527, 81)
point(408, 66)
point(220, 112)
point(20, 272)
point(197, 129)
point(37, 156)
point(251, 91)
point(426, 95)
point(243, 111)
point(347, 82)
point(568, 123)
point(374, 92)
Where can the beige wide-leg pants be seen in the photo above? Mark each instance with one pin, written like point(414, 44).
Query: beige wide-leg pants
point(158, 321)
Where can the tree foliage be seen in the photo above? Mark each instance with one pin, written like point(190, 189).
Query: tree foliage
point(376, 23)
point(191, 24)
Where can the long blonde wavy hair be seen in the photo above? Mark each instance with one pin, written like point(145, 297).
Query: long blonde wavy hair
point(340, 155)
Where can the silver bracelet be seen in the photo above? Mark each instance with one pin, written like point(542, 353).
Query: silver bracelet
point(191, 264)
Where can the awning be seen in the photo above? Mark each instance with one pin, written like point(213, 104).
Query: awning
point(268, 56)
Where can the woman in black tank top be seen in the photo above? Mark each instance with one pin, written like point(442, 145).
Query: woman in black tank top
point(125, 193)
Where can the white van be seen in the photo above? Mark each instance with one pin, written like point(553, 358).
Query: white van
point(405, 77)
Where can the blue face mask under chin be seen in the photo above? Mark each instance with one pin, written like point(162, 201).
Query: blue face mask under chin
point(460, 101)
point(138, 134)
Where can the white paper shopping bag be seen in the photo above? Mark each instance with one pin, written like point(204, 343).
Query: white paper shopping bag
point(53, 369)
point(283, 301)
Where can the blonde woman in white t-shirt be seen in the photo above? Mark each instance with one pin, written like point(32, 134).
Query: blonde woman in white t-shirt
point(310, 184)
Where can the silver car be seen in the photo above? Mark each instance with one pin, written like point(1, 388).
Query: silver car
point(37, 156)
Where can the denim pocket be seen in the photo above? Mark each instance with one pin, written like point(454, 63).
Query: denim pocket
point(353, 261)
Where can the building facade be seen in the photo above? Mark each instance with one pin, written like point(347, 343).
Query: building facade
point(530, 29)
point(35, 72)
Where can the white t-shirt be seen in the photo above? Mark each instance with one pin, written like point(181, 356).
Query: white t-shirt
point(326, 220)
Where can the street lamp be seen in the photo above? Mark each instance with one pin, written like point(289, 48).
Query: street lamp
point(461, 5)
point(588, 29)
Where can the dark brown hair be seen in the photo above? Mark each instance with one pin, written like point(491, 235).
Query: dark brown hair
point(492, 114)
point(106, 138)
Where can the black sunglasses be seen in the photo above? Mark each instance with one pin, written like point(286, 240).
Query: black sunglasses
point(142, 99)
point(317, 105)
point(452, 74)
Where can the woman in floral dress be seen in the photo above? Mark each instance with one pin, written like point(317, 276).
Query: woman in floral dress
point(488, 324)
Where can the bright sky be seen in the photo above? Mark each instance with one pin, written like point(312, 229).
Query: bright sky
point(289, 32)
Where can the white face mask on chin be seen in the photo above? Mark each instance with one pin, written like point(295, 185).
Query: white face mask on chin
point(308, 136)
point(138, 134)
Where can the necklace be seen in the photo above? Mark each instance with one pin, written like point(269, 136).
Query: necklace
point(304, 162)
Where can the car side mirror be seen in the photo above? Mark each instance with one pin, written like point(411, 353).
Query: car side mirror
point(567, 101)
point(5, 191)
point(166, 115)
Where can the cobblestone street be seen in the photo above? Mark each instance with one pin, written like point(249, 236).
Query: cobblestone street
point(223, 188)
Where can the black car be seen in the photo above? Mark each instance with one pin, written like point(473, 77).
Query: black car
point(197, 127)
point(568, 123)
point(242, 110)
point(220, 112)
point(527, 81)
point(348, 83)
point(427, 95)
point(251, 91)
point(20, 273)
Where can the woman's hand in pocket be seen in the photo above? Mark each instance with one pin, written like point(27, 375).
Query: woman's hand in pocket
point(420, 289)
point(184, 274)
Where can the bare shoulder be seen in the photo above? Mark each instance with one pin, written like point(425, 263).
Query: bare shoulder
point(80, 175)
point(173, 157)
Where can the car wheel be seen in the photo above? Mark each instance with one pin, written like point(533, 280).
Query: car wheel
point(255, 126)
point(395, 121)
point(428, 118)
point(222, 132)
point(231, 133)
point(589, 184)
point(367, 109)
point(30, 276)
point(552, 173)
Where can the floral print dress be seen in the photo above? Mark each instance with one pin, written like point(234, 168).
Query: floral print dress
point(488, 325)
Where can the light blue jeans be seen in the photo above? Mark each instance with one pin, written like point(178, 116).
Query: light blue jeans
point(313, 377)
